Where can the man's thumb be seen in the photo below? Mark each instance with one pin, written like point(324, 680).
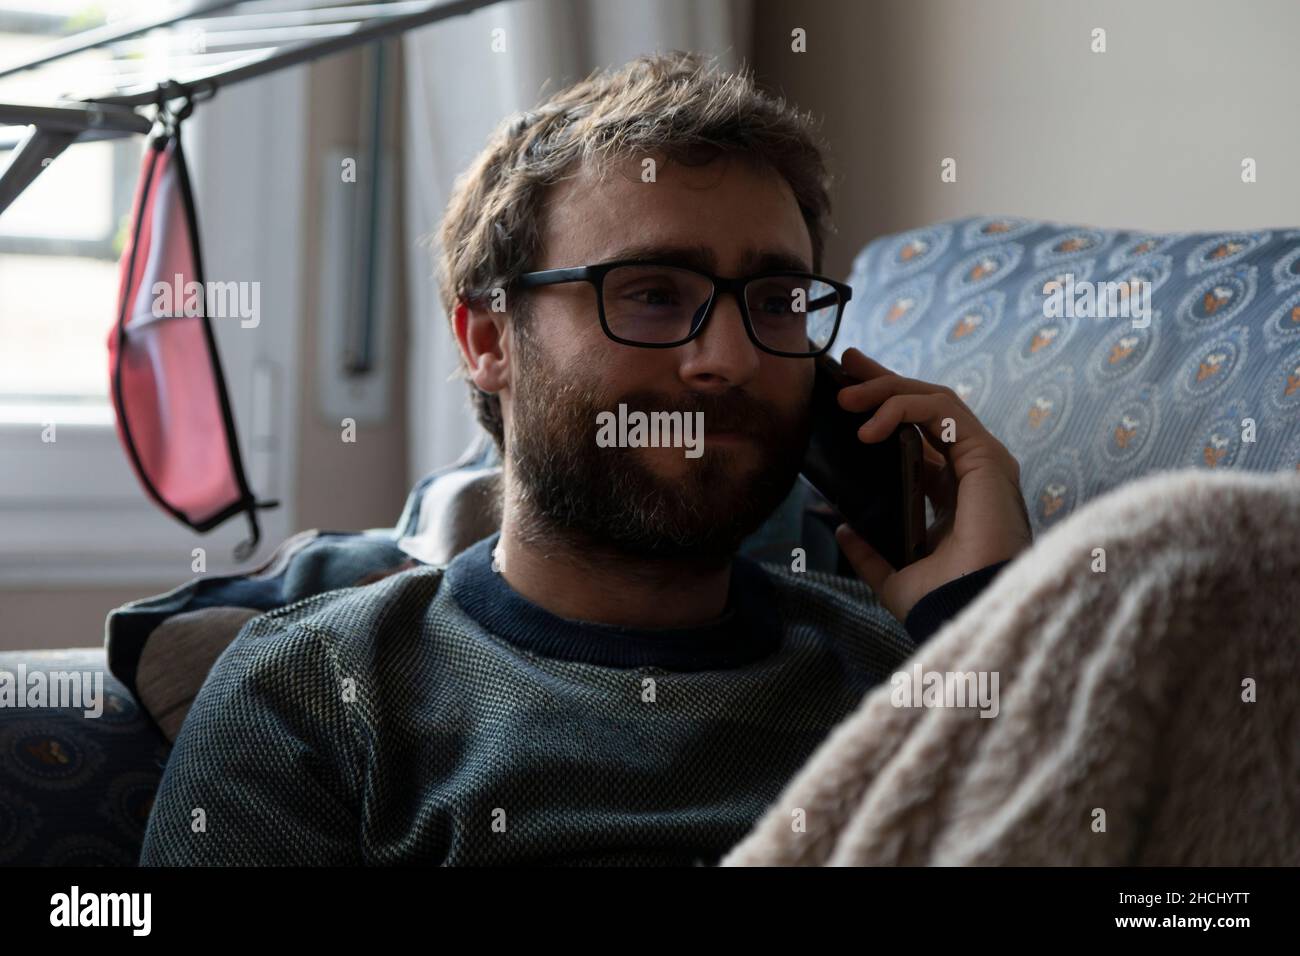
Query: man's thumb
point(864, 559)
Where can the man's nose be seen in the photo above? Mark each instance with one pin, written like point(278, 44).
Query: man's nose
point(723, 355)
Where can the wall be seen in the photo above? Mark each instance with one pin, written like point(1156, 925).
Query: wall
point(345, 486)
point(1149, 134)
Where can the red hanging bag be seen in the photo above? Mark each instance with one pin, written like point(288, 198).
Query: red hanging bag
point(168, 391)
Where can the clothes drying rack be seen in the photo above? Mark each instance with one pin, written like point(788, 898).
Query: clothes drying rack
point(228, 41)
point(238, 40)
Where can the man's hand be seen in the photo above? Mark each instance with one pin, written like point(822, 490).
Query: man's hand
point(973, 483)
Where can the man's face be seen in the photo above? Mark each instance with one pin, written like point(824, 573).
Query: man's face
point(729, 218)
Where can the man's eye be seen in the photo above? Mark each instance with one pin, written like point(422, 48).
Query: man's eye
point(654, 297)
point(775, 305)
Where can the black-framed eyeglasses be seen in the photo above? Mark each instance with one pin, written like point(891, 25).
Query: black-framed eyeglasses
point(646, 304)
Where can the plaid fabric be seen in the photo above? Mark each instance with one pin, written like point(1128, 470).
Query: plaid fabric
point(384, 724)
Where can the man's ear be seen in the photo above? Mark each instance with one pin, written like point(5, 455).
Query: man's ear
point(481, 335)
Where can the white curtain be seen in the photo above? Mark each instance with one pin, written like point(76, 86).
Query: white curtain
point(456, 90)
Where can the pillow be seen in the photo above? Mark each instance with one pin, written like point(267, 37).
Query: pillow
point(1086, 403)
point(454, 511)
point(177, 657)
point(304, 565)
point(75, 790)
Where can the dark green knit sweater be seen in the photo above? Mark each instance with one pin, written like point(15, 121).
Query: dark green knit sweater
point(437, 716)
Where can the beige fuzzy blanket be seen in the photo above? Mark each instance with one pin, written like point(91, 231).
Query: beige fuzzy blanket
point(1148, 714)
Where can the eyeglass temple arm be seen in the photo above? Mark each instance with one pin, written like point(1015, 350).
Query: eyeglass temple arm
point(553, 276)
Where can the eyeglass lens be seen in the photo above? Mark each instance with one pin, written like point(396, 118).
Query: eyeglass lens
point(656, 305)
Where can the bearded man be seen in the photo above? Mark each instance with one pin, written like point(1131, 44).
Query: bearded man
point(605, 680)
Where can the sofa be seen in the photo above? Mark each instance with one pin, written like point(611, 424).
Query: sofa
point(1207, 377)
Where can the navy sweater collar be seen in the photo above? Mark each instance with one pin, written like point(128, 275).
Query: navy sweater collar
point(747, 631)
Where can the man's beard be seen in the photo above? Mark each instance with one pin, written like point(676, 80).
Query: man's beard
point(569, 488)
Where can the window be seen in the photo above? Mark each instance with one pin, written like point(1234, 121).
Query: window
point(71, 509)
point(59, 244)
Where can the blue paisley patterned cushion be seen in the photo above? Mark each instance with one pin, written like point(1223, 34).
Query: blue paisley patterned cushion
point(1208, 376)
point(75, 789)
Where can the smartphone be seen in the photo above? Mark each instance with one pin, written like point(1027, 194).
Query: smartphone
point(875, 487)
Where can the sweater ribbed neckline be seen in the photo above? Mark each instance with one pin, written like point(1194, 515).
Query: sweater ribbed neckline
point(748, 630)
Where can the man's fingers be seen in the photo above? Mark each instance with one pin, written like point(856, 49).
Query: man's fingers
point(863, 558)
point(858, 364)
point(951, 427)
point(937, 483)
point(932, 473)
point(869, 394)
point(930, 453)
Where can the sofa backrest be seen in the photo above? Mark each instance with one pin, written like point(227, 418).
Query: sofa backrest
point(1212, 380)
